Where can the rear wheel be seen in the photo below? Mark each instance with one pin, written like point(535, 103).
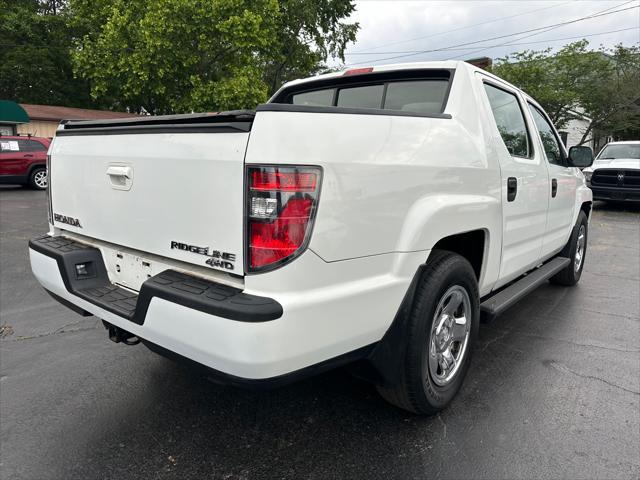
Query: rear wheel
point(443, 326)
point(38, 178)
point(575, 250)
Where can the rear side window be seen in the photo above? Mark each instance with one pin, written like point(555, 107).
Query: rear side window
point(509, 120)
point(31, 146)
point(417, 96)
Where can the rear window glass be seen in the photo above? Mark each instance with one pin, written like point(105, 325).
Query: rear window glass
point(317, 98)
point(369, 96)
point(417, 96)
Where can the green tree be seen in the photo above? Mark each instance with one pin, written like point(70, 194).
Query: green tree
point(308, 32)
point(182, 55)
point(35, 61)
point(603, 85)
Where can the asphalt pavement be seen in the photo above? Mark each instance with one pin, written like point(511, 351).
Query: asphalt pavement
point(553, 391)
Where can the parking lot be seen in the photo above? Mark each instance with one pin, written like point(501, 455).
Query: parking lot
point(553, 391)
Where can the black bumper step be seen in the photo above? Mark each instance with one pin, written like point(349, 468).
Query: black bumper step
point(176, 287)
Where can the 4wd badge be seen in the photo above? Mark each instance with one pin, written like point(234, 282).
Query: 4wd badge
point(216, 258)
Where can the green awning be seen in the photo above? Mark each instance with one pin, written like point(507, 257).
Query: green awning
point(11, 112)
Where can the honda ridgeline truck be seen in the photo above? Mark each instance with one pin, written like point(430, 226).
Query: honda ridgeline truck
point(366, 217)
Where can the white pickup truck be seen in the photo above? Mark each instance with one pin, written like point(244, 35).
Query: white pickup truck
point(368, 217)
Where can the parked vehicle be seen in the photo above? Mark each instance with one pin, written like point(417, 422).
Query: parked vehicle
point(615, 174)
point(365, 217)
point(23, 160)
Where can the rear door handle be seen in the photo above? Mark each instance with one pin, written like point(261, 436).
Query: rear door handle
point(512, 188)
point(554, 187)
point(28, 155)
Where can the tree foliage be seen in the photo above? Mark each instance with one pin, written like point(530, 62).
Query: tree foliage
point(602, 85)
point(35, 64)
point(183, 55)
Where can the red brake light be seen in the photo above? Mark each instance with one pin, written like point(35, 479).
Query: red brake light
point(282, 202)
point(358, 71)
point(283, 181)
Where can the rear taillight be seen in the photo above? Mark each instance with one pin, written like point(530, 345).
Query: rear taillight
point(281, 206)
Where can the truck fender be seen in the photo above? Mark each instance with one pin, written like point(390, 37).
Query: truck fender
point(583, 195)
point(435, 217)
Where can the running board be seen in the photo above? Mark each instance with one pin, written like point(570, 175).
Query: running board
point(504, 299)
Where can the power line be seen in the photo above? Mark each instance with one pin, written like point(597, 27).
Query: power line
point(484, 48)
point(470, 26)
point(545, 28)
point(508, 44)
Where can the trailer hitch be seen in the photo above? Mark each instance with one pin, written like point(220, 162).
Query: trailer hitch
point(117, 335)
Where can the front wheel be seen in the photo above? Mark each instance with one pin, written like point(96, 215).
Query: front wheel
point(38, 178)
point(575, 250)
point(442, 328)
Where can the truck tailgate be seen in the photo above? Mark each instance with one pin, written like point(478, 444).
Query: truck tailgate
point(174, 190)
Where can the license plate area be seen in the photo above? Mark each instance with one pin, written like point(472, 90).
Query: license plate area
point(617, 195)
point(129, 270)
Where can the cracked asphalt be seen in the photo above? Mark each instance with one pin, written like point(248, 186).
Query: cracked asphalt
point(553, 391)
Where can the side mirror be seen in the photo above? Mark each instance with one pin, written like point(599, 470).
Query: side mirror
point(581, 157)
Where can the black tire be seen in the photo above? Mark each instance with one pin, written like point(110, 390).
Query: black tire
point(572, 272)
point(416, 390)
point(38, 178)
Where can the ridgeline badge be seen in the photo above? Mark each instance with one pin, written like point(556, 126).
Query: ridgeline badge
point(216, 258)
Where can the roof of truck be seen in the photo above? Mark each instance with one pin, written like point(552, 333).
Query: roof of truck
point(447, 64)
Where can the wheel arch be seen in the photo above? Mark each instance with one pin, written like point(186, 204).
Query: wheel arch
point(33, 166)
point(448, 221)
point(470, 245)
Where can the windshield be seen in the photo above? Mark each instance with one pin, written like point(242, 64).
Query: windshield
point(620, 151)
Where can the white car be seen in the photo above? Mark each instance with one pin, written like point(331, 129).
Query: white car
point(364, 217)
point(615, 173)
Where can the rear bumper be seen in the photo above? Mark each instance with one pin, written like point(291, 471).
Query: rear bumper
point(244, 339)
point(615, 193)
point(175, 287)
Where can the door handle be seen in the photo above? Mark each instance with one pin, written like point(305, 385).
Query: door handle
point(28, 155)
point(512, 188)
point(554, 187)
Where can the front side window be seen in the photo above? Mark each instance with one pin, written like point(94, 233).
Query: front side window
point(550, 142)
point(509, 120)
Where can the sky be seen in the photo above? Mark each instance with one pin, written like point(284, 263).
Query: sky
point(398, 28)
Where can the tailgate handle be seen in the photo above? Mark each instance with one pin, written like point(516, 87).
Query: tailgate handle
point(120, 172)
point(121, 176)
